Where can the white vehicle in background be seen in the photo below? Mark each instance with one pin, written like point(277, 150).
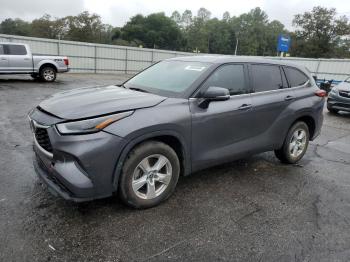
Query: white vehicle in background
point(17, 58)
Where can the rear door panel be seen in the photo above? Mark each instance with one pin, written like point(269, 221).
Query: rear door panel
point(271, 109)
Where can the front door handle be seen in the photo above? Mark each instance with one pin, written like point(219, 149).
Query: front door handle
point(288, 98)
point(26, 59)
point(245, 107)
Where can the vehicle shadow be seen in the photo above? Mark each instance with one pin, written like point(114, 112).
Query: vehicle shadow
point(8, 82)
point(341, 114)
point(17, 80)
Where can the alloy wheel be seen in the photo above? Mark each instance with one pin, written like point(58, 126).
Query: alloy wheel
point(49, 74)
point(152, 176)
point(297, 143)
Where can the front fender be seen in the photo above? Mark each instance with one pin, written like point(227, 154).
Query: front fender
point(129, 144)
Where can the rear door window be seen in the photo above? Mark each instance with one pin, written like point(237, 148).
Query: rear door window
point(1, 49)
point(15, 50)
point(266, 77)
point(230, 76)
point(295, 77)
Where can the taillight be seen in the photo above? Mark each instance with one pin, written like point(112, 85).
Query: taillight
point(66, 61)
point(321, 93)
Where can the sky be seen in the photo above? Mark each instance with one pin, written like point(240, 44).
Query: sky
point(117, 12)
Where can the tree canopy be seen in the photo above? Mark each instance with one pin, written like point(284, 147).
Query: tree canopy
point(318, 33)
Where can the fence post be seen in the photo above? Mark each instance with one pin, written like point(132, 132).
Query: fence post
point(126, 60)
point(318, 67)
point(95, 59)
point(58, 47)
point(152, 56)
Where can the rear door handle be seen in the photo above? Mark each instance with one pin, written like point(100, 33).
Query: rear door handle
point(245, 107)
point(288, 98)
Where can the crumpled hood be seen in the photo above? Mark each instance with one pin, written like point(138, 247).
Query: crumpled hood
point(343, 86)
point(94, 101)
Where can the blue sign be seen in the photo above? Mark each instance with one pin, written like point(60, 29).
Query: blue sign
point(283, 43)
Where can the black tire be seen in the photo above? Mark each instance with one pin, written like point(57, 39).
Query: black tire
point(284, 154)
point(135, 157)
point(332, 110)
point(48, 73)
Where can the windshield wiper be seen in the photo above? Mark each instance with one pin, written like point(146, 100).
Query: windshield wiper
point(138, 89)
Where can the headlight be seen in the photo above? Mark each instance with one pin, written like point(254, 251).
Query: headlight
point(90, 125)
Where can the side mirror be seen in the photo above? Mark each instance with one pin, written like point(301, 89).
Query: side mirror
point(214, 93)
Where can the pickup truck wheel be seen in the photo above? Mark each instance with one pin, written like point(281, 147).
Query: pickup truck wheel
point(149, 176)
point(295, 144)
point(48, 74)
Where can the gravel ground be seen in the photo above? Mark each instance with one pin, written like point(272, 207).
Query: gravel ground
point(255, 209)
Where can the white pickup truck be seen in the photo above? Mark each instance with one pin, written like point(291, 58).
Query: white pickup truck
point(17, 59)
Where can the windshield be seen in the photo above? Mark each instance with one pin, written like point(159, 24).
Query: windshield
point(168, 77)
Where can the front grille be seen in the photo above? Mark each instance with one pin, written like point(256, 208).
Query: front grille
point(344, 94)
point(52, 178)
point(42, 137)
point(342, 105)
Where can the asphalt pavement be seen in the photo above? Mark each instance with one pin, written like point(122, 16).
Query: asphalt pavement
point(254, 209)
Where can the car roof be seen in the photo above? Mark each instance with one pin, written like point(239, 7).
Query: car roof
point(221, 59)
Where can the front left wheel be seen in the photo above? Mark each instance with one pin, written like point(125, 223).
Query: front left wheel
point(149, 175)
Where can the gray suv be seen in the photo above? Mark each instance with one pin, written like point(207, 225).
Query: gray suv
point(176, 117)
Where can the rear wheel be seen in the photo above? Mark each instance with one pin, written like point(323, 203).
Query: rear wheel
point(48, 74)
point(149, 175)
point(295, 144)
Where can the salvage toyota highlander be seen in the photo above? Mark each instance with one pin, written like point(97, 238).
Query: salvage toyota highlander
point(176, 117)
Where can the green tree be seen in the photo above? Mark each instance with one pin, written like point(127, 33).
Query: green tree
point(226, 16)
point(47, 27)
point(85, 27)
point(221, 39)
point(197, 35)
point(15, 27)
point(251, 31)
point(320, 33)
point(203, 14)
point(186, 18)
point(153, 31)
point(176, 17)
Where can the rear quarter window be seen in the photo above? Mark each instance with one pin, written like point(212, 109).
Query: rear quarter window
point(295, 77)
point(1, 49)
